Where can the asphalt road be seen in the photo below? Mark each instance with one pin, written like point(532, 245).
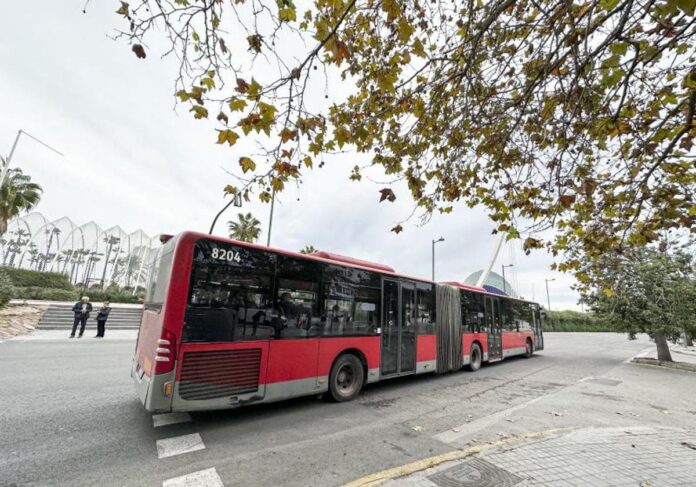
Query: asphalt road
point(69, 415)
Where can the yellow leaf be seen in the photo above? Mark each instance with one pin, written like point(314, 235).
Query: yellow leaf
point(608, 292)
point(228, 136)
point(247, 164)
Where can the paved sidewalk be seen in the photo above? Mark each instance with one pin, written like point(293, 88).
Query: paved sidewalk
point(682, 358)
point(622, 456)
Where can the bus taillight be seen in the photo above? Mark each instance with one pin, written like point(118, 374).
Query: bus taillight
point(164, 358)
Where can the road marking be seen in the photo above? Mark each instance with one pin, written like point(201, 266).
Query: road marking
point(178, 445)
point(378, 478)
point(170, 418)
point(203, 478)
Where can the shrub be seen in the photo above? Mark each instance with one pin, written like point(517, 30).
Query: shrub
point(114, 296)
point(6, 288)
point(27, 278)
point(44, 293)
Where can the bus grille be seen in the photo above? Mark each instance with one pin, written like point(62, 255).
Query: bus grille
point(219, 373)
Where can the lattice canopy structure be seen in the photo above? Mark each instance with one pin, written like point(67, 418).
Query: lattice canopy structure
point(86, 253)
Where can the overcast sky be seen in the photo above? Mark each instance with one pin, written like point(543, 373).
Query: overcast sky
point(134, 159)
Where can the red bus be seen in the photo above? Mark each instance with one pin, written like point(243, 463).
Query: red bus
point(229, 323)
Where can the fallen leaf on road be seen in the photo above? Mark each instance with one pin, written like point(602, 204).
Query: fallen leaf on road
point(509, 420)
point(645, 483)
point(556, 413)
point(417, 428)
point(456, 430)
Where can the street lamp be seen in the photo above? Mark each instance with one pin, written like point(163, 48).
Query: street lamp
point(434, 242)
point(504, 284)
point(548, 300)
point(6, 165)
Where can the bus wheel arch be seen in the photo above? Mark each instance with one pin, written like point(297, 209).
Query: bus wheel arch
point(344, 383)
point(475, 356)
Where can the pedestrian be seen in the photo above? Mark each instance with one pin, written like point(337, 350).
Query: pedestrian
point(81, 309)
point(102, 316)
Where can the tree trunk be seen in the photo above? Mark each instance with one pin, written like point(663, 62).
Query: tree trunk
point(663, 353)
point(689, 339)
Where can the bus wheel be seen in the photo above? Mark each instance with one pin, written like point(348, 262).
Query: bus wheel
point(475, 357)
point(346, 378)
point(528, 348)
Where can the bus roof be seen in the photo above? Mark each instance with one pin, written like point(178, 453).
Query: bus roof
point(331, 258)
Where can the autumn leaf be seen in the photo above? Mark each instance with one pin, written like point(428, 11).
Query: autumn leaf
point(386, 194)
point(242, 86)
point(247, 164)
point(139, 51)
point(123, 9)
point(228, 136)
point(255, 42)
point(237, 104)
point(222, 117)
point(567, 199)
point(397, 229)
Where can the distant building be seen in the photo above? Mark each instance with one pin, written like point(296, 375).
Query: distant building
point(493, 284)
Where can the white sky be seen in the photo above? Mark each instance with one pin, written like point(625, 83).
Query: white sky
point(132, 159)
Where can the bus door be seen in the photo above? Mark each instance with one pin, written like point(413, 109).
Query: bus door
point(493, 323)
point(538, 332)
point(398, 328)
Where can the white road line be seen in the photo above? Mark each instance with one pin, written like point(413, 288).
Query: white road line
point(178, 445)
point(170, 418)
point(203, 478)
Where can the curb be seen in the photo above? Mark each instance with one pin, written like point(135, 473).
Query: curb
point(378, 478)
point(670, 365)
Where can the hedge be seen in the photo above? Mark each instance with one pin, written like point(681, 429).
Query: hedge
point(6, 288)
point(44, 293)
point(27, 278)
point(575, 321)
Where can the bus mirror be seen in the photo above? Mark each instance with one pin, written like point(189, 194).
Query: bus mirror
point(164, 238)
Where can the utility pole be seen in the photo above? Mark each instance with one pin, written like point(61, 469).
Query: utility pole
point(270, 220)
point(548, 300)
point(433, 254)
point(6, 165)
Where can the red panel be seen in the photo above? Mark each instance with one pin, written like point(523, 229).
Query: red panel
point(470, 338)
point(197, 347)
point(426, 348)
point(292, 359)
point(330, 348)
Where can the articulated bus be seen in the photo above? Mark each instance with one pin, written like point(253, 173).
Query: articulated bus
point(229, 323)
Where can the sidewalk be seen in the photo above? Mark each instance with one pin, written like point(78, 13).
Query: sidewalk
point(625, 456)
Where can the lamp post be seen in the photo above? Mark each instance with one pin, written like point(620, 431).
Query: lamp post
point(6, 165)
point(504, 283)
point(548, 300)
point(434, 242)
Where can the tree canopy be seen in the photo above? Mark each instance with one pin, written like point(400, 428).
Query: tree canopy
point(246, 228)
point(17, 194)
point(647, 290)
point(572, 115)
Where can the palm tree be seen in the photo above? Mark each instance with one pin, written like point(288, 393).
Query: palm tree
point(17, 194)
point(246, 228)
point(308, 249)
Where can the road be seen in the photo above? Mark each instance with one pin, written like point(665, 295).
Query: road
point(69, 415)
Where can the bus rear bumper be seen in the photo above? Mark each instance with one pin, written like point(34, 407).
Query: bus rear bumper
point(151, 389)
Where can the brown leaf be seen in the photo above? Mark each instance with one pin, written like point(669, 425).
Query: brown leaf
point(242, 86)
point(222, 117)
point(397, 229)
point(255, 42)
point(387, 194)
point(567, 199)
point(139, 51)
point(123, 9)
point(223, 46)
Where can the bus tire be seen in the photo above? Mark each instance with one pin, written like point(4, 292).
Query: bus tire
point(528, 348)
point(346, 378)
point(475, 358)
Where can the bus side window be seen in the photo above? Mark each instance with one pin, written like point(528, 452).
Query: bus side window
point(425, 309)
point(297, 297)
point(351, 302)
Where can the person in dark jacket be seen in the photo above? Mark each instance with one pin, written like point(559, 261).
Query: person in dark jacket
point(102, 316)
point(81, 309)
